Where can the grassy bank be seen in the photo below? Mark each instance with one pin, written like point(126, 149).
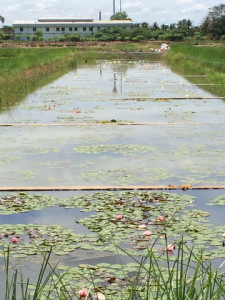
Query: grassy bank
point(208, 62)
point(24, 70)
point(15, 60)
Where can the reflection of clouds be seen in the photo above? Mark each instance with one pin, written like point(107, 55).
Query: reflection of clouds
point(50, 216)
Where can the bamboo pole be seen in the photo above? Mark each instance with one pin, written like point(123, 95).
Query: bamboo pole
point(111, 188)
point(94, 124)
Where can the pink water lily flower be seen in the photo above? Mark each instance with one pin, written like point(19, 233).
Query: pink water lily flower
point(142, 226)
point(224, 235)
point(170, 248)
point(147, 233)
point(160, 218)
point(82, 293)
point(14, 240)
point(119, 217)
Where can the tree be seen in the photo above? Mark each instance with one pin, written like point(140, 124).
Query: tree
point(217, 11)
point(28, 37)
point(214, 23)
point(164, 27)
point(120, 16)
point(155, 26)
point(6, 32)
point(38, 36)
point(186, 27)
point(2, 19)
point(144, 25)
point(7, 29)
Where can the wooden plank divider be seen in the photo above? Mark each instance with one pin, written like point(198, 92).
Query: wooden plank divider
point(111, 188)
point(168, 98)
point(92, 124)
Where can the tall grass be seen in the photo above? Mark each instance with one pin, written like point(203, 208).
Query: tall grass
point(14, 60)
point(210, 56)
point(45, 287)
point(24, 70)
point(187, 59)
point(185, 277)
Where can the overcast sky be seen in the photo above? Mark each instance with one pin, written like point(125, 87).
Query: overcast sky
point(160, 11)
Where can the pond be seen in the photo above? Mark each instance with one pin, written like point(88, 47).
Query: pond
point(112, 124)
point(181, 140)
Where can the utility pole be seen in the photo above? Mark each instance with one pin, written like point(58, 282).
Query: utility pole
point(114, 8)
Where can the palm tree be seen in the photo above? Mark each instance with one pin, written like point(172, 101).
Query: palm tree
point(2, 19)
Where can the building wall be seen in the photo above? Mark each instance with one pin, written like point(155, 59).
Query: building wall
point(51, 31)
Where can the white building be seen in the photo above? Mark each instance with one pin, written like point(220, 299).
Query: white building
point(56, 27)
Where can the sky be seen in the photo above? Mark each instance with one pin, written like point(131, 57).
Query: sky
point(160, 11)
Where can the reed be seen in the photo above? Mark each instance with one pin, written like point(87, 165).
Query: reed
point(158, 276)
point(187, 59)
point(24, 70)
point(209, 56)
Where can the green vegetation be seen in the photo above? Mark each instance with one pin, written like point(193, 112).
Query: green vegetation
point(15, 60)
point(120, 16)
point(214, 24)
point(139, 32)
point(24, 70)
point(208, 61)
point(6, 33)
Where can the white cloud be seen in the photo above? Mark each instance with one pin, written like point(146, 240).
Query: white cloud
point(184, 1)
point(194, 9)
point(128, 5)
point(163, 11)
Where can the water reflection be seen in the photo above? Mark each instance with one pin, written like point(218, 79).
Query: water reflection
point(108, 90)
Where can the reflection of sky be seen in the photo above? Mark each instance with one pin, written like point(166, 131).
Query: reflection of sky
point(96, 91)
point(202, 197)
point(50, 216)
point(45, 156)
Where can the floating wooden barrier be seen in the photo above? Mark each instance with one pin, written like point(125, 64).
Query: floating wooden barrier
point(165, 98)
point(111, 188)
point(91, 124)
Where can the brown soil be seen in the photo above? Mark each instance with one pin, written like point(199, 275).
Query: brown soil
point(79, 45)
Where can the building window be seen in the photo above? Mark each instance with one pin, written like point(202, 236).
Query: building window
point(47, 28)
point(34, 29)
point(84, 28)
point(57, 28)
point(21, 29)
point(90, 28)
point(70, 29)
point(75, 29)
point(63, 28)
